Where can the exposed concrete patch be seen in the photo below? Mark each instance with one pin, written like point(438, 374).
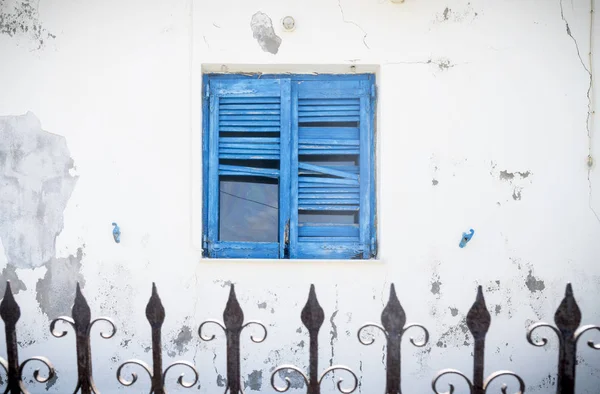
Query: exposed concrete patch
point(223, 283)
point(254, 381)
point(467, 14)
point(10, 273)
point(20, 18)
point(455, 336)
point(533, 283)
point(516, 194)
point(444, 64)
point(263, 32)
point(436, 284)
point(56, 290)
point(181, 341)
point(35, 186)
point(516, 179)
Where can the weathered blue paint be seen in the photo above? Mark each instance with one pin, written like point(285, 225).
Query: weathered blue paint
point(466, 237)
point(284, 167)
point(116, 233)
point(285, 118)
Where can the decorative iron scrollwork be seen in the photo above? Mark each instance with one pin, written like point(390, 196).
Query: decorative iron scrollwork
point(478, 322)
point(393, 325)
point(155, 313)
point(567, 319)
point(312, 317)
point(10, 312)
point(82, 325)
point(233, 325)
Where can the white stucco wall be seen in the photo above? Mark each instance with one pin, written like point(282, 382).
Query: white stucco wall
point(469, 93)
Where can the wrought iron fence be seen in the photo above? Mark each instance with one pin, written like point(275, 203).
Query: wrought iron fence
point(393, 325)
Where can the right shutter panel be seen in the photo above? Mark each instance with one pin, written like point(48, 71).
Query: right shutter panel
point(326, 171)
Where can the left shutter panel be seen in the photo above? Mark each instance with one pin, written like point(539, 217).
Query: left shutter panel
point(248, 134)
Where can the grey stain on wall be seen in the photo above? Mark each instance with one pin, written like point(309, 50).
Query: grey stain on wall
point(254, 381)
point(263, 32)
point(181, 341)
point(21, 18)
point(533, 283)
point(10, 273)
point(56, 290)
point(35, 186)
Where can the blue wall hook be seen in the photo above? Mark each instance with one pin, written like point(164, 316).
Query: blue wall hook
point(116, 233)
point(466, 238)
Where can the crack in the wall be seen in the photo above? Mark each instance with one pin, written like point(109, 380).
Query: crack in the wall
point(588, 120)
point(443, 64)
point(364, 40)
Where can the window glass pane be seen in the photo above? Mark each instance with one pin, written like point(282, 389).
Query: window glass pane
point(249, 209)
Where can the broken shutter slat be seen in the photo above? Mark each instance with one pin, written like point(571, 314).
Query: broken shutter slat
point(326, 171)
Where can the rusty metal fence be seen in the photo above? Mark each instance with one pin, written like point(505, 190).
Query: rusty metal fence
point(393, 326)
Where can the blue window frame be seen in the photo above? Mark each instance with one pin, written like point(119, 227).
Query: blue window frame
point(288, 166)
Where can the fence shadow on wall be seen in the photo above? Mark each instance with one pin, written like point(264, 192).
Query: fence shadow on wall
point(393, 327)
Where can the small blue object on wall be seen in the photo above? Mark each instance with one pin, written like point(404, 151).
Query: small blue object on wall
point(466, 237)
point(116, 233)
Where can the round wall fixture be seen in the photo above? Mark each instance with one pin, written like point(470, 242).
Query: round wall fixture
point(289, 24)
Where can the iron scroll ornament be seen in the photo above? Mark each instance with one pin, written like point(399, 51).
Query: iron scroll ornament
point(233, 324)
point(312, 317)
point(478, 322)
point(155, 314)
point(10, 312)
point(82, 324)
point(393, 326)
point(567, 319)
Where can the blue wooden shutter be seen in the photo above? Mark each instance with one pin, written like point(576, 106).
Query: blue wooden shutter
point(249, 125)
point(332, 170)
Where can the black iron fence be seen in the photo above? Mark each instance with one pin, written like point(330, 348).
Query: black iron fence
point(393, 326)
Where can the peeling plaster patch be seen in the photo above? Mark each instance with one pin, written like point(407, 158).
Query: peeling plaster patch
point(444, 64)
point(436, 285)
point(10, 273)
point(497, 309)
point(262, 305)
point(35, 186)
point(453, 311)
point(263, 32)
point(254, 381)
point(221, 381)
point(467, 14)
point(56, 290)
point(533, 283)
point(509, 176)
point(456, 336)
point(506, 176)
point(515, 179)
point(20, 18)
point(434, 182)
point(516, 194)
point(223, 283)
point(181, 341)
